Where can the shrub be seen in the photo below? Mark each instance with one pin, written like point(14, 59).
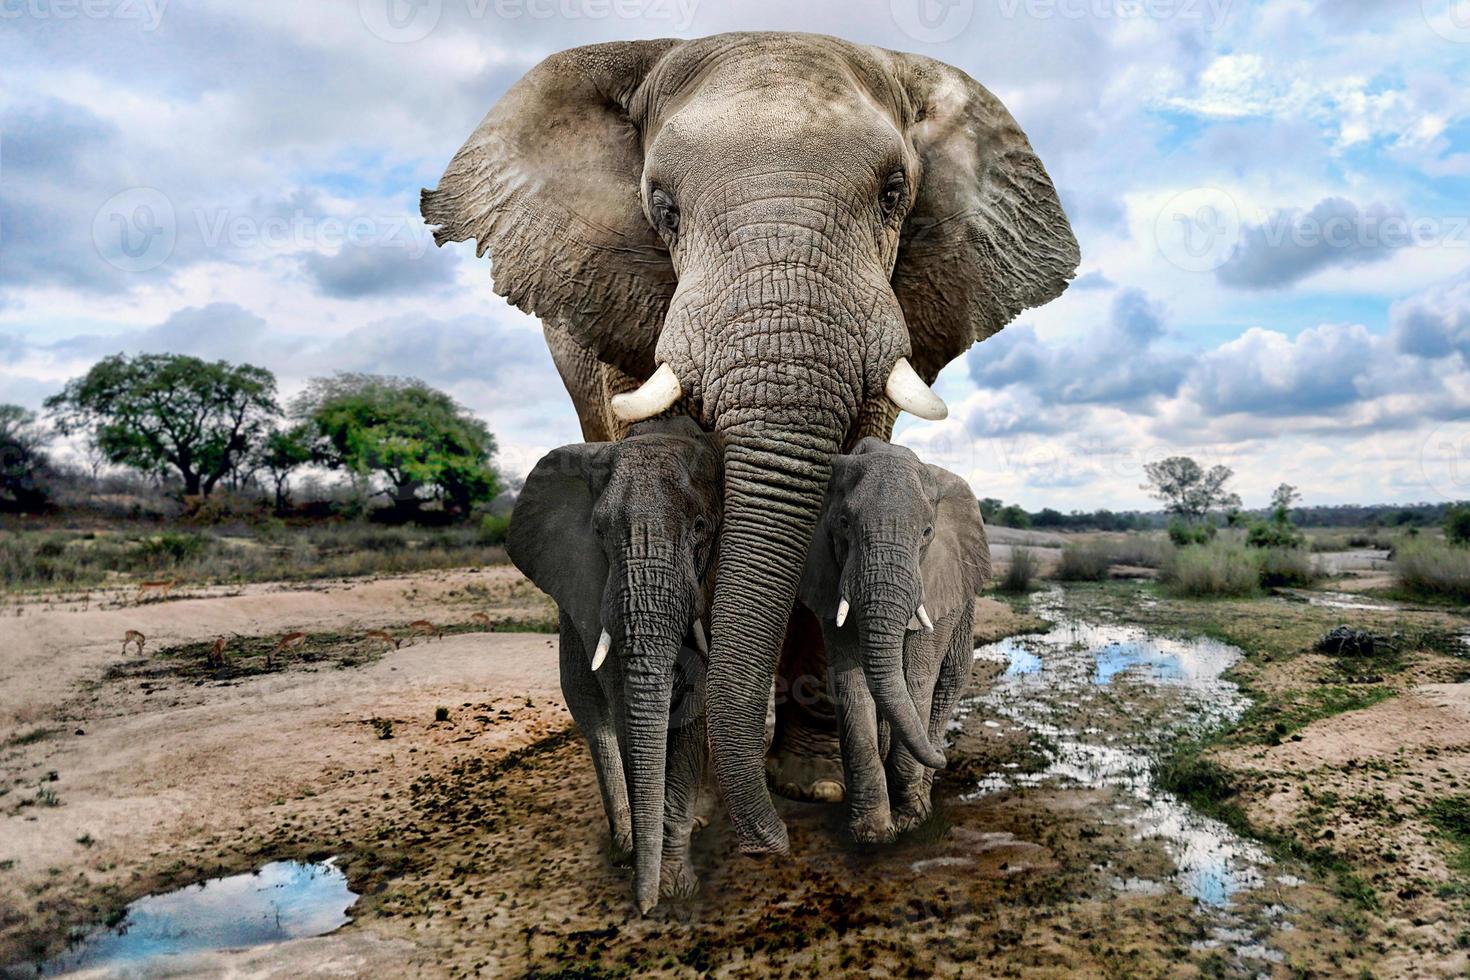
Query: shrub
point(1084, 561)
point(1286, 566)
point(1215, 569)
point(1273, 534)
point(1144, 551)
point(172, 548)
point(493, 529)
point(1021, 569)
point(1431, 569)
point(1183, 534)
point(1457, 524)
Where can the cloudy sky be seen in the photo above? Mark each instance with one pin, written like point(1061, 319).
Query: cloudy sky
point(1272, 199)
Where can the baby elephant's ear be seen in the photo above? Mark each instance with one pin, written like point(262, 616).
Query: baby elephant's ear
point(552, 539)
point(958, 562)
point(822, 577)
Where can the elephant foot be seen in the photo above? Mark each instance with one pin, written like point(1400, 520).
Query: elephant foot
point(912, 813)
point(873, 827)
point(806, 764)
point(677, 880)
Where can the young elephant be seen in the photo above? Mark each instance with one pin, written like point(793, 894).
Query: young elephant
point(897, 557)
point(621, 535)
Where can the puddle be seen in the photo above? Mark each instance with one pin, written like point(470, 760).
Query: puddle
point(283, 900)
point(1337, 600)
point(1106, 701)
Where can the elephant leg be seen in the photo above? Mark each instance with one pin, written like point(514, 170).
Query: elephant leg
point(908, 778)
point(804, 761)
point(684, 777)
point(868, 817)
point(951, 646)
point(590, 710)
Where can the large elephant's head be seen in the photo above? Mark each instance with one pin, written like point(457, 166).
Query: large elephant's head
point(622, 535)
point(899, 545)
point(791, 233)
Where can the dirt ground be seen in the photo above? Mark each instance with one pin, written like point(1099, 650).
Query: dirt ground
point(478, 843)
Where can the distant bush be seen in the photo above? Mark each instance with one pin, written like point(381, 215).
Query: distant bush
point(1214, 569)
point(1457, 524)
point(1286, 566)
point(1084, 561)
point(173, 548)
point(1021, 569)
point(1435, 570)
point(1273, 534)
point(1184, 534)
point(493, 529)
point(1144, 551)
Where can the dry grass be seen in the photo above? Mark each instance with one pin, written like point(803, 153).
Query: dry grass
point(1433, 569)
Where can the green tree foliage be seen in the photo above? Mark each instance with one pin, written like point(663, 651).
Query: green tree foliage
point(415, 438)
point(1457, 524)
point(281, 451)
point(1187, 489)
point(24, 465)
point(156, 411)
point(1279, 532)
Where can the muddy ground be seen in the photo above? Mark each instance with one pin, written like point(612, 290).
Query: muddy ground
point(478, 844)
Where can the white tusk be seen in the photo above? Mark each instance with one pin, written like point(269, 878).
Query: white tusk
point(604, 644)
point(699, 638)
point(909, 392)
point(657, 395)
point(913, 623)
point(924, 618)
point(842, 612)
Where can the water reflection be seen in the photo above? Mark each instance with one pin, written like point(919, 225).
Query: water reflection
point(1107, 700)
point(283, 900)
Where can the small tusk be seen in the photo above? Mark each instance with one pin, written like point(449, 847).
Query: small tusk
point(909, 392)
point(842, 612)
point(604, 644)
point(924, 618)
point(913, 623)
point(657, 395)
point(699, 638)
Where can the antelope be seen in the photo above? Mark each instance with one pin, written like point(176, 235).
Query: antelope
point(133, 636)
point(163, 588)
point(422, 627)
point(288, 642)
point(217, 652)
point(482, 619)
point(382, 636)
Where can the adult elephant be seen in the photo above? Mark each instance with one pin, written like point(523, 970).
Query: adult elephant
point(789, 233)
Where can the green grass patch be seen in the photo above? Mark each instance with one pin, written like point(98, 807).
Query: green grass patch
point(1451, 816)
point(31, 737)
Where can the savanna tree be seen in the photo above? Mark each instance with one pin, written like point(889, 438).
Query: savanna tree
point(280, 452)
point(1187, 489)
point(413, 437)
point(23, 460)
point(153, 412)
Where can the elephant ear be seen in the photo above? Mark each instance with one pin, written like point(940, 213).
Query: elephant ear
point(958, 560)
point(821, 578)
point(986, 237)
point(552, 539)
point(549, 186)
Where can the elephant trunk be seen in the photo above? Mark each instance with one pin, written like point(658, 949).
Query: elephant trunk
point(656, 617)
point(775, 478)
point(884, 606)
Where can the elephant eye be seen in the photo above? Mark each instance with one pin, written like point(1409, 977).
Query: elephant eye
point(929, 531)
point(844, 522)
point(700, 525)
point(892, 195)
point(665, 212)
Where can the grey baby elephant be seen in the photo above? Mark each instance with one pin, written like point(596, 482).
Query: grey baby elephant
point(898, 555)
point(622, 535)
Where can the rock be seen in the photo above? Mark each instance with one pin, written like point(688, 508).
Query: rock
point(1344, 641)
